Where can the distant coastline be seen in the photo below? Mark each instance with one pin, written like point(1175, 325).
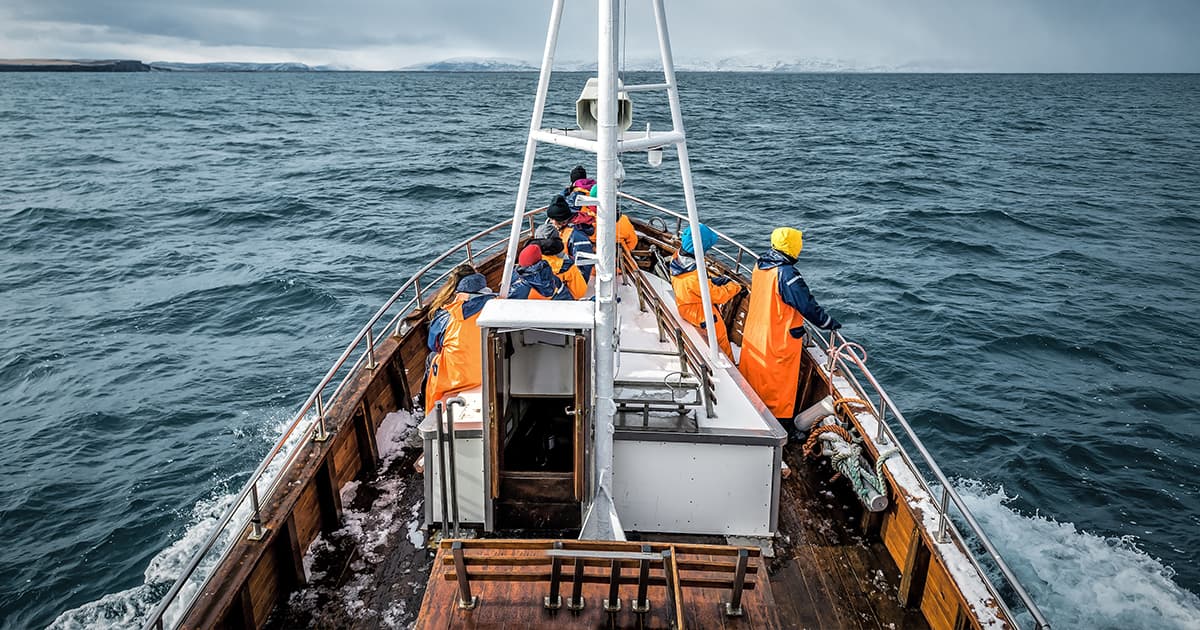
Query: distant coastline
point(73, 65)
point(473, 64)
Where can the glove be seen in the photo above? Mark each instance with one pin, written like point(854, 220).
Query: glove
point(721, 281)
point(796, 332)
point(832, 324)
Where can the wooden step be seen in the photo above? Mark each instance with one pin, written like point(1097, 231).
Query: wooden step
point(537, 514)
point(537, 486)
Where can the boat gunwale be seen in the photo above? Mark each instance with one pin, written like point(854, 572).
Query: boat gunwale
point(844, 350)
point(155, 619)
point(742, 268)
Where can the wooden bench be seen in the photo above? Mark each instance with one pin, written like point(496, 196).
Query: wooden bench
point(640, 565)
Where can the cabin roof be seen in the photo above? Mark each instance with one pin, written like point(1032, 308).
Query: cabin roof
point(564, 315)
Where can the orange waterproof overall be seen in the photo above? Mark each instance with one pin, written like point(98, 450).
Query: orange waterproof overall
point(571, 277)
point(691, 306)
point(457, 367)
point(770, 358)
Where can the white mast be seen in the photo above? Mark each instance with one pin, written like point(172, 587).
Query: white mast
point(535, 124)
point(607, 143)
point(601, 516)
point(685, 174)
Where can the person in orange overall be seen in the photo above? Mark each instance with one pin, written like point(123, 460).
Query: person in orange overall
point(563, 267)
point(685, 281)
point(534, 280)
point(772, 338)
point(454, 342)
point(626, 235)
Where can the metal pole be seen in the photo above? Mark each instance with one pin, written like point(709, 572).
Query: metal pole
point(535, 123)
point(371, 365)
point(943, 522)
point(320, 435)
point(441, 455)
point(599, 525)
point(256, 528)
point(685, 173)
point(457, 400)
point(612, 603)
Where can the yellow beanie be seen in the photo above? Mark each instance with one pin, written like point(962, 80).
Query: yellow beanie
point(788, 240)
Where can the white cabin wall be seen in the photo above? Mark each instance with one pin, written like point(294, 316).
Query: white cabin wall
point(690, 488)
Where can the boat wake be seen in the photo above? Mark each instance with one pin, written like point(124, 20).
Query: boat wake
point(1081, 580)
point(131, 607)
point(128, 608)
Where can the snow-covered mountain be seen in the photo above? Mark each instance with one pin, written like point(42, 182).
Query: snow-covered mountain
point(474, 64)
point(739, 63)
point(234, 66)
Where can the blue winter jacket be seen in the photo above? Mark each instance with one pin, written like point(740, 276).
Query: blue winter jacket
point(793, 289)
point(538, 277)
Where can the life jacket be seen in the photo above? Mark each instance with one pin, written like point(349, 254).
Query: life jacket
point(577, 238)
point(685, 282)
point(565, 270)
point(537, 282)
point(454, 340)
point(770, 360)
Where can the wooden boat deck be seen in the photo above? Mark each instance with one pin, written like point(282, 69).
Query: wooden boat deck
point(826, 573)
point(513, 601)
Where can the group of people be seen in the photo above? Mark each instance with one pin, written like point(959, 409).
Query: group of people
point(557, 265)
point(780, 300)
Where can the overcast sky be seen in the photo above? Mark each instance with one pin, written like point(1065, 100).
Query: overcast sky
point(983, 35)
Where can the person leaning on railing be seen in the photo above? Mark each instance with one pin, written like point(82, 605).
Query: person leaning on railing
point(453, 342)
point(685, 282)
point(772, 338)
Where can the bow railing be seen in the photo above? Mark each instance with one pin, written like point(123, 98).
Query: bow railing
point(308, 424)
point(852, 361)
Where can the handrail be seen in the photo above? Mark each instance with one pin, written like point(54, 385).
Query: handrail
point(250, 489)
point(835, 348)
point(740, 265)
point(690, 356)
point(948, 493)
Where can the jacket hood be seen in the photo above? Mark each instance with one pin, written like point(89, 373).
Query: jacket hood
point(681, 264)
point(774, 258)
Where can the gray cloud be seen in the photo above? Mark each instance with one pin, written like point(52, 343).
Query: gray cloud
point(986, 35)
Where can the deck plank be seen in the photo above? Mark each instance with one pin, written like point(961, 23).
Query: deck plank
point(825, 574)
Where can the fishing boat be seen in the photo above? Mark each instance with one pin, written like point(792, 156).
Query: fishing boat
point(614, 468)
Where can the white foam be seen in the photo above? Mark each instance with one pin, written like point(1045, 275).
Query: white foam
point(392, 435)
point(129, 608)
point(1079, 579)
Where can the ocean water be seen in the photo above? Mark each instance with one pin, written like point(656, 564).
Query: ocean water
point(183, 255)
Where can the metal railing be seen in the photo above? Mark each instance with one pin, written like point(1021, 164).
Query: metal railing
point(839, 350)
point(692, 361)
point(290, 444)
